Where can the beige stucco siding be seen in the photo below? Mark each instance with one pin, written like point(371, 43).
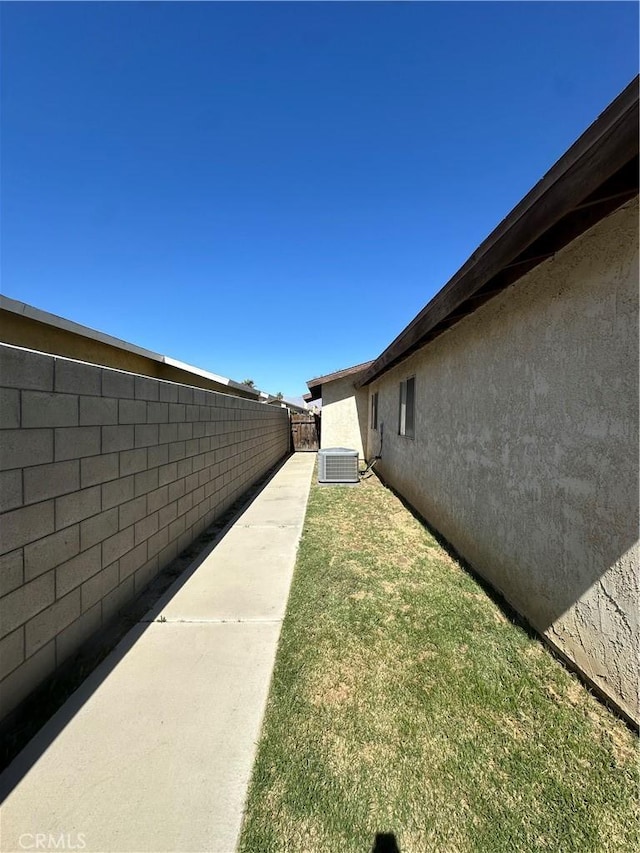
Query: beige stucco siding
point(526, 447)
point(344, 415)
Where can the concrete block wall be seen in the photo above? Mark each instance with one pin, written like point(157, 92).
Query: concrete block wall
point(105, 477)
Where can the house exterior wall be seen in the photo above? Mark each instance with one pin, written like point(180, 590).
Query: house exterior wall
point(525, 454)
point(105, 477)
point(344, 415)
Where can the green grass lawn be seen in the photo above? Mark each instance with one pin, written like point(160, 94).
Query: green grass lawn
point(404, 702)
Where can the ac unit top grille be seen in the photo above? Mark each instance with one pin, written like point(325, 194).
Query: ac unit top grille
point(337, 465)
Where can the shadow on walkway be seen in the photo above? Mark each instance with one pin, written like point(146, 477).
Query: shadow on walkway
point(86, 670)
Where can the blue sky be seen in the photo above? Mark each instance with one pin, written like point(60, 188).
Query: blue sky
point(274, 190)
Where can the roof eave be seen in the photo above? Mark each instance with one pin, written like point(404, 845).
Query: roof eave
point(315, 385)
point(595, 176)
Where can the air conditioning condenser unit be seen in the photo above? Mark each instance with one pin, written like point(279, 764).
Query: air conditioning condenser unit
point(337, 465)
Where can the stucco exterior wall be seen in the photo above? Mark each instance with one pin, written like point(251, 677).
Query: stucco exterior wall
point(525, 454)
point(344, 415)
point(105, 477)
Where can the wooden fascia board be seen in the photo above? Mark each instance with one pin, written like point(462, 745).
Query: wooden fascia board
point(607, 146)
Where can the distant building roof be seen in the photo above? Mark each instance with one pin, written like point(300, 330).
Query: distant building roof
point(25, 326)
point(285, 402)
point(315, 385)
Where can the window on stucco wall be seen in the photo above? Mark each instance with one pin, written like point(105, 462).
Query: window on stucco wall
point(406, 415)
point(374, 411)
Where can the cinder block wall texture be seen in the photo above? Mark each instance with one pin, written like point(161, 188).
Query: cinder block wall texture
point(105, 476)
point(525, 453)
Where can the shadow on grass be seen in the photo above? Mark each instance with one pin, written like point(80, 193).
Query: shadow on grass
point(24, 728)
point(510, 613)
point(496, 597)
point(385, 842)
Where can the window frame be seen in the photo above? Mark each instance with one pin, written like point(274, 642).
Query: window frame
point(407, 407)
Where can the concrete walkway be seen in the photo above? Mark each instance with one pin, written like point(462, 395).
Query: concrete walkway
point(154, 751)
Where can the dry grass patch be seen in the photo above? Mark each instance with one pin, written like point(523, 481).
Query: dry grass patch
point(404, 701)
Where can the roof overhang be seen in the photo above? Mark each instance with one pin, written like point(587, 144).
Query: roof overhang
point(315, 385)
point(76, 341)
point(598, 174)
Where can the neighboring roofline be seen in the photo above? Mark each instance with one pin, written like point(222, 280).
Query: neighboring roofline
point(13, 306)
point(33, 313)
point(315, 385)
point(284, 402)
point(597, 175)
